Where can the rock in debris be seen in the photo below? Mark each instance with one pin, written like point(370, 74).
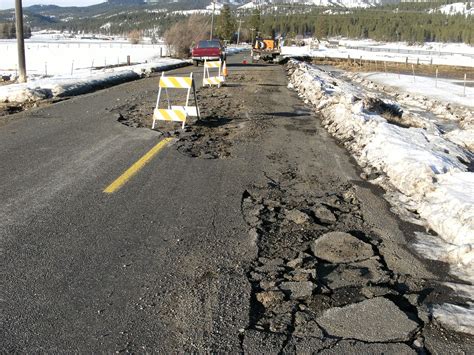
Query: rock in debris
point(357, 347)
point(298, 290)
point(268, 298)
point(267, 285)
point(297, 216)
point(374, 320)
point(376, 291)
point(301, 275)
point(340, 247)
point(270, 265)
point(295, 263)
point(323, 214)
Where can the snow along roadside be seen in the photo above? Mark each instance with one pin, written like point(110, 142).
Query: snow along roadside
point(423, 168)
point(63, 86)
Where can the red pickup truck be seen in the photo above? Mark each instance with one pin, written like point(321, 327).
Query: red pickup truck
point(210, 50)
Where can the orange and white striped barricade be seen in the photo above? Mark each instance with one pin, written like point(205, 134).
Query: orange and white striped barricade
point(207, 79)
point(176, 113)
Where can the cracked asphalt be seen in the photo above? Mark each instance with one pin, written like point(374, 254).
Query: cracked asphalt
point(252, 232)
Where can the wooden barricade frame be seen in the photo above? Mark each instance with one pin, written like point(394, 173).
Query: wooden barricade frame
point(176, 113)
point(207, 79)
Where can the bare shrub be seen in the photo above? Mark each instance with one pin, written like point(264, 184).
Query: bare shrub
point(184, 34)
point(135, 37)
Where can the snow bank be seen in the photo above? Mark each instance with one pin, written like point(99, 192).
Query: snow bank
point(456, 317)
point(453, 111)
point(421, 167)
point(463, 137)
point(449, 207)
point(425, 168)
point(62, 86)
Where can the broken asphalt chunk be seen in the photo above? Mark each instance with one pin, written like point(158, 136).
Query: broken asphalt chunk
point(374, 320)
point(340, 247)
point(298, 290)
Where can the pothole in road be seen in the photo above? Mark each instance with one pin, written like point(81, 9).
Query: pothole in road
point(317, 255)
point(224, 121)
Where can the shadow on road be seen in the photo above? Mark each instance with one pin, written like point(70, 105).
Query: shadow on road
point(212, 121)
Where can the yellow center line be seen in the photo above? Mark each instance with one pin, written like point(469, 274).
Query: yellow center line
point(136, 167)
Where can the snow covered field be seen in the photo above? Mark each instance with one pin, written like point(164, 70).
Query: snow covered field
point(51, 56)
point(447, 91)
point(422, 170)
point(429, 53)
point(456, 8)
point(60, 66)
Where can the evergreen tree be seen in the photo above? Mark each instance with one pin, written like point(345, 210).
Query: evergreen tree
point(12, 31)
point(225, 24)
point(255, 21)
point(27, 33)
point(4, 31)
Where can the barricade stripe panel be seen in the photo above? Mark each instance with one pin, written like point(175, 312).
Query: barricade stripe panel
point(176, 82)
point(215, 80)
point(209, 81)
point(170, 115)
point(212, 64)
point(166, 116)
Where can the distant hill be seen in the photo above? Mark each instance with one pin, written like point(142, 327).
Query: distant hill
point(336, 17)
point(126, 2)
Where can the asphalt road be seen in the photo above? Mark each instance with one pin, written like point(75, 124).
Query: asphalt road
point(161, 264)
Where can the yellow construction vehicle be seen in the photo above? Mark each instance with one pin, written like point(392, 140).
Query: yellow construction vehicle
point(265, 49)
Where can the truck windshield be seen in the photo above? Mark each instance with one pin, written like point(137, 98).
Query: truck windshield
point(209, 44)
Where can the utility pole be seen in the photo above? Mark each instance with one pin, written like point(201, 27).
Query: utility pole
point(20, 40)
point(238, 32)
point(212, 18)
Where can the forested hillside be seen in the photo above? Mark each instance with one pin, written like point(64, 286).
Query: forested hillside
point(409, 22)
point(379, 24)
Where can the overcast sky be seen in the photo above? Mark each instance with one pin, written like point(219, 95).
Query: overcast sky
point(10, 4)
